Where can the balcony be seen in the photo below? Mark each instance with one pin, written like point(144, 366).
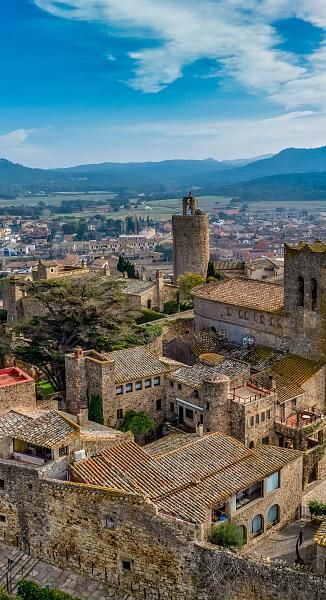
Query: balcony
point(249, 495)
point(301, 419)
point(248, 393)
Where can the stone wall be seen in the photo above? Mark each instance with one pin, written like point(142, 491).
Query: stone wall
point(251, 422)
point(15, 395)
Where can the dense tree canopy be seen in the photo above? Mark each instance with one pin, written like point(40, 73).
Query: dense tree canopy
point(186, 283)
point(87, 311)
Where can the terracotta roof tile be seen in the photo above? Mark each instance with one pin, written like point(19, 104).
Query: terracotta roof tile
point(196, 374)
point(135, 363)
point(47, 430)
point(248, 293)
point(187, 480)
point(297, 368)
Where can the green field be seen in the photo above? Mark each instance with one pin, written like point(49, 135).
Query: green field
point(54, 199)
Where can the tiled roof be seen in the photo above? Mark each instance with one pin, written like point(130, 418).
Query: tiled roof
point(320, 535)
point(260, 357)
point(136, 287)
point(188, 479)
point(297, 368)
point(168, 443)
point(135, 363)
point(47, 430)
point(195, 375)
point(248, 293)
point(285, 388)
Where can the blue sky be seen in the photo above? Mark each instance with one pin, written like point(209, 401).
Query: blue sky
point(121, 80)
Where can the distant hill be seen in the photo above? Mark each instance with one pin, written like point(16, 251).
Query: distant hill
point(290, 186)
point(173, 176)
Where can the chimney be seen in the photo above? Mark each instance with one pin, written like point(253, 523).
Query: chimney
point(79, 353)
point(200, 430)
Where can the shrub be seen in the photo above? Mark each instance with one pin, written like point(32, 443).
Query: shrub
point(226, 534)
point(95, 409)
point(149, 315)
point(137, 422)
point(317, 508)
point(29, 590)
point(4, 595)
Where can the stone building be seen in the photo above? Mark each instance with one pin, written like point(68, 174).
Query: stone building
point(124, 379)
point(190, 240)
point(139, 518)
point(17, 389)
point(15, 300)
point(149, 294)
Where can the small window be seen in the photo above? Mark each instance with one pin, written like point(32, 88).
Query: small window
point(157, 381)
point(207, 405)
point(273, 515)
point(171, 407)
point(126, 565)
point(300, 301)
point(138, 385)
point(196, 394)
point(252, 421)
point(189, 414)
point(262, 417)
point(262, 319)
point(257, 525)
point(251, 445)
point(2, 519)
point(119, 390)
point(129, 388)
point(265, 441)
point(158, 404)
point(240, 314)
point(119, 413)
point(108, 522)
point(148, 383)
point(179, 386)
point(2, 484)
point(273, 482)
point(257, 419)
point(268, 414)
point(171, 384)
point(63, 451)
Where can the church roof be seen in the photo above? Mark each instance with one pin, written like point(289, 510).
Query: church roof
point(247, 293)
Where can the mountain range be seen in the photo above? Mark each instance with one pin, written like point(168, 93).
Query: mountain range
point(292, 173)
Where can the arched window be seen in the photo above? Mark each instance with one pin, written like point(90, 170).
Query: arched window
point(300, 291)
point(213, 329)
point(313, 294)
point(251, 444)
point(257, 525)
point(273, 515)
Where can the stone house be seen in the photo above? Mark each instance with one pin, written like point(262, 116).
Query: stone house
point(17, 389)
point(149, 294)
point(137, 518)
point(124, 379)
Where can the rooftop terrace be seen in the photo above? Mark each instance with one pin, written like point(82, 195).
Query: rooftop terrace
point(13, 376)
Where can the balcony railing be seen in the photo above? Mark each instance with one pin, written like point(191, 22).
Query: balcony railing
point(301, 420)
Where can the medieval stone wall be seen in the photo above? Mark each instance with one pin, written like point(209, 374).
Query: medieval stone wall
point(15, 395)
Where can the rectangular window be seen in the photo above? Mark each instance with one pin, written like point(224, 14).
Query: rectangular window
point(268, 414)
point(262, 417)
point(265, 440)
point(148, 383)
point(2, 519)
point(138, 385)
point(63, 451)
point(179, 386)
point(119, 390)
point(158, 404)
point(189, 414)
point(126, 565)
point(207, 405)
point(2, 484)
point(257, 419)
point(119, 413)
point(171, 407)
point(108, 522)
point(128, 388)
point(249, 495)
point(252, 421)
point(171, 384)
point(273, 482)
point(157, 381)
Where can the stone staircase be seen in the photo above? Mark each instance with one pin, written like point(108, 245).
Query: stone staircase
point(20, 567)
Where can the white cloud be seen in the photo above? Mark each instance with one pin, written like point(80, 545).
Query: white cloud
point(238, 34)
point(13, 139)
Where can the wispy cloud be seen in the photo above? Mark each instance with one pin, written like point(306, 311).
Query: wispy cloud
point(238, 34)
point(13, 139)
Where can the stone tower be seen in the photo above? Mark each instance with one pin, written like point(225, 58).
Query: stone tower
point(190, 239)
point(305, 297)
